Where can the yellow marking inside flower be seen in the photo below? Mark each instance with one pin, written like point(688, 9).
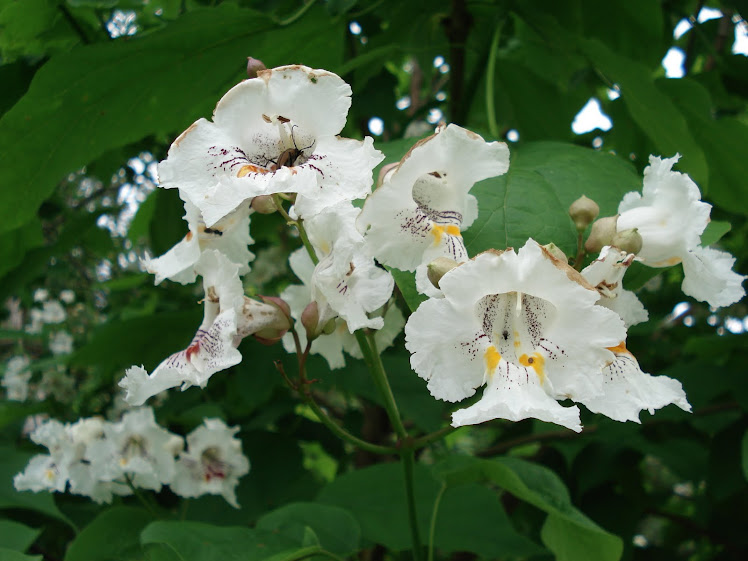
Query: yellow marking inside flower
point(536, 362)
point(49, 474)
point(123, 462)
point(437, 231)
point(516, 340)
point(620, 348)
point(249, 168)
point(492, 358)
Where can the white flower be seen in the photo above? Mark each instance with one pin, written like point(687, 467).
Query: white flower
point(271, 134)
point(229, 316)
point(230, 236)
point(525, 324)
point(41, 294)
point(627, 390)
point(670, 218)
point(67, 296)
point(212, 463)
point(16, 378)
point(332, 345)
point(418, 212)
point(136, 447)
point(61, 343)
point(606, 274)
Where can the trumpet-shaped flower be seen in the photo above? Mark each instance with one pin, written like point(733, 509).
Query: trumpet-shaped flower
point(526, 325)
point(212, 463)
point(627, 389)
point(229, 316)
point(606, 275)
point(670, 218)
point(271, 134)
point(330, 345)
point(137, 448)
point(230, 236)
point(423, 204)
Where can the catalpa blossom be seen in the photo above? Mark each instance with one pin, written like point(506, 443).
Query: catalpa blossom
point(670, 217)
point(606, 274)
point(136, 448)
point(230, 236)
point(16, 378)
point(627, 389)
point(526, 325)
point(423, 204)
point(332, 344)
point(228, 317)
point(212, 463)
point(272, 134)
point(346, 280)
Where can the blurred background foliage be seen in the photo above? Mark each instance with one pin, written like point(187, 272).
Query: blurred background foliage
point(94, 91)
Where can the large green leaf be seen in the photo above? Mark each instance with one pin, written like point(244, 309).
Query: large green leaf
point(17, 536)
point(113, 535)
point(532, 199)
point(567, 532)
point(12, 555)
point(653, 111)
point(335, 528)
point(97, 97)
point(195, 541)
point(470, 518)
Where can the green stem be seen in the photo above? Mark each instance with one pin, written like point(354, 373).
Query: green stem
point(493, 126)
point(376, 369)
point(434, 514)
point(581, 252)
point(141, 497)
point(407, 458)
point(299, 228)
point(427, 439)
point(300, 12)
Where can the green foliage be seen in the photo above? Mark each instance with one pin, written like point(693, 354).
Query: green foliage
point(76, 104)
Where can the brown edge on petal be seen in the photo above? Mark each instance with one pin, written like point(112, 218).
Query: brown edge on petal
point(571, 273)
point(313, 74)
point(185, 133)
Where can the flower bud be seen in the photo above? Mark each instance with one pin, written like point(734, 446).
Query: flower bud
point(629, 241)
point(556, 252)
point(602, 234)
point(438, 268)
point(330, 326)
point(254, 66)
point(267, 321)
point(310, 321)
point(264, 204)
point(583, 212)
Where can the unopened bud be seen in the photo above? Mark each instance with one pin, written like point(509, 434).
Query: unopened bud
point(438, 268)
point(629, 241)
point(330, 326)
point(254, 66)
point(583, 212)
point(264, 204)
point(279, 303)
point(267, 321)
point(556, 252)
point(602, 234)
point(384, 171)
point(310, 321)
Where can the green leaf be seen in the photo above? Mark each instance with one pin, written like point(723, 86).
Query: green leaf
point(11, 555)
point(714, 232)
point(16, 536)
point(113, 535)
point(469, 519)
point(722, 139)
point(181, 73)
point(195, 541)
point(406, 282)
point(567, 532)
point(653, 111)
point(533, 197)
point(14, 462)
point(335, 528)
point(17, 242)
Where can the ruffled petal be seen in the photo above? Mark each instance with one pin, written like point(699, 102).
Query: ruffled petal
point(709, 277)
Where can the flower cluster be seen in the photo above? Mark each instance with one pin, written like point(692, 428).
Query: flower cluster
point(525, 324)
point(100, 459)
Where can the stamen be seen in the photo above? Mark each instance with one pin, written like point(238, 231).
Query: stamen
point(518, 308)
